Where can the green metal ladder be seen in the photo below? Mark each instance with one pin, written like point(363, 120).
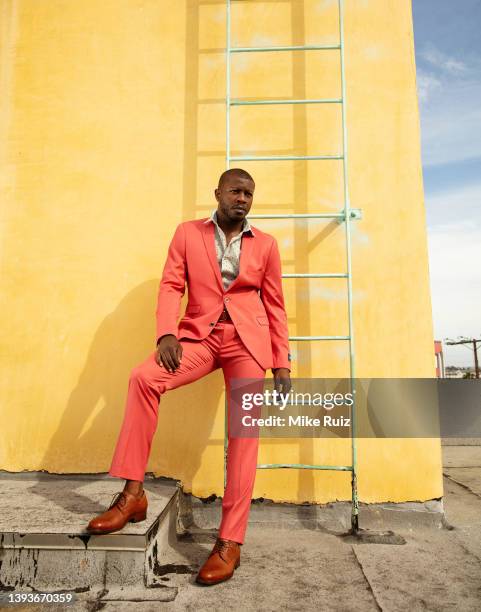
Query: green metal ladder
point(346, 215)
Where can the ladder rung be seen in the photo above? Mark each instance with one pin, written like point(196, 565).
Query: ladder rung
point(323, 275)
point(354, 213)
point(308, 338)
point(286, 48)
point(282, 157)
point(307, 101)
point(300, 216)
point(273, 466)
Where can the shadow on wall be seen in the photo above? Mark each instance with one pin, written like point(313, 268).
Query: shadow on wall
point(93, 415)
point(194, 164)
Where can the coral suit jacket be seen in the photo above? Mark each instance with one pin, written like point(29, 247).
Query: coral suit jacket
point(254, 300)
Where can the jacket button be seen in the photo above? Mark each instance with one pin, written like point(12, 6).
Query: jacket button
point(226, 299)
point(211, 323)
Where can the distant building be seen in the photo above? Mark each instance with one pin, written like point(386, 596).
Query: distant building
point(439, 356)
point(456, 372)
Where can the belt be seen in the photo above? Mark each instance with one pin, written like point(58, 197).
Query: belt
point(225, 316)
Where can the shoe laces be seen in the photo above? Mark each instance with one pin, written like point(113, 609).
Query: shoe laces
point(118, 499)
point(222, 546)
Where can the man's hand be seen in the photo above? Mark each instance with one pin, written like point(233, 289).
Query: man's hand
point(169, 353)
point(282, 380)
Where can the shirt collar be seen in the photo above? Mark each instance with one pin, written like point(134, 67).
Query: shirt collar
point(245, 228)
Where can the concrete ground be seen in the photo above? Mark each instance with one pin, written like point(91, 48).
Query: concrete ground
point(438, 568)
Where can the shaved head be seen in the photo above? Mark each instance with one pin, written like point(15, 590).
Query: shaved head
point(234, 197)
point(234, 172)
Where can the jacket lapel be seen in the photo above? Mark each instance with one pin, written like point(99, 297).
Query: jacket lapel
point(209, 242)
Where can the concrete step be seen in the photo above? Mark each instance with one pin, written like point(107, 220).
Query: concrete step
point(44, 545)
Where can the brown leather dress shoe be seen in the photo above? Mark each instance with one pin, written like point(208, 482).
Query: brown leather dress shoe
point(124, 508)
point(221, 563)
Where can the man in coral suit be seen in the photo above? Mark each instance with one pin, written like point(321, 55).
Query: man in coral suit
point(235, 319)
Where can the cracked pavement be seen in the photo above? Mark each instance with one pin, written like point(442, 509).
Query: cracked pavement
point(285, 568)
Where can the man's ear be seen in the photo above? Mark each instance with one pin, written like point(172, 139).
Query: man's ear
point(216, 193)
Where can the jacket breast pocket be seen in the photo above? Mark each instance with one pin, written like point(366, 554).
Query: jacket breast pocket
point(192, 309)
point(255, 275)
point(262, 320)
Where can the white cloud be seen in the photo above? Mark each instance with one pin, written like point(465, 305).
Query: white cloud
point(442, 61)
point(449, 91)
point(427, 84)
point(450, 121)
point(455, 271)
point(455, 207)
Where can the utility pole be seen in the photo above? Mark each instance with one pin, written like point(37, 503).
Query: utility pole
point(467, 341)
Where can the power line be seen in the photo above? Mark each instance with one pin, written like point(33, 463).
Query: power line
point(468, 341)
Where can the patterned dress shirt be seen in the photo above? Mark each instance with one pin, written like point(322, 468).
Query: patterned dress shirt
point(228, 255)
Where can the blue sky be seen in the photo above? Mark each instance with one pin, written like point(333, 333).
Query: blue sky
point(448, 66)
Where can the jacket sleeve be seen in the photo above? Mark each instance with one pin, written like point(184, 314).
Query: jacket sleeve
point(172, 286)
point(273, 299)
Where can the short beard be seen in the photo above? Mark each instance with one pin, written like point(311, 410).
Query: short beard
point(227, 215)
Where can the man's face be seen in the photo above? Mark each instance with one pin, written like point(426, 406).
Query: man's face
point(235, 197)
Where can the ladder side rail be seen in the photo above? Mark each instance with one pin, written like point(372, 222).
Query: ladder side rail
point(347, 204)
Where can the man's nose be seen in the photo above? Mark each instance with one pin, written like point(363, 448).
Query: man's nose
point(242, 197)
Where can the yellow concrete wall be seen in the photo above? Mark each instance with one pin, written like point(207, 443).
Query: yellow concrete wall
point(112, 132)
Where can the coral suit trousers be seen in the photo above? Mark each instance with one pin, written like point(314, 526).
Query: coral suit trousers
point(148, 381)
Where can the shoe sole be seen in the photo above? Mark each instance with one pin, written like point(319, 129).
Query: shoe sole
point(212, 582)
point(134, 519)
